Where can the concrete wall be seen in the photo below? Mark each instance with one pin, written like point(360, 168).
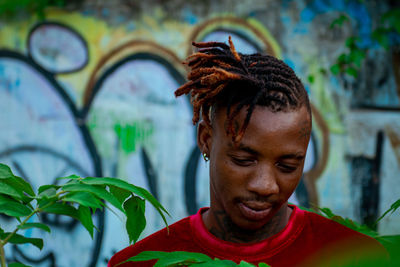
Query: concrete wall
point(90, 91)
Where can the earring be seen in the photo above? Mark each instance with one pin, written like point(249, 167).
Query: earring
point(205, 157)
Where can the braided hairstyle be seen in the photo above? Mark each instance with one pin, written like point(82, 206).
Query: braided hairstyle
point(221, 77)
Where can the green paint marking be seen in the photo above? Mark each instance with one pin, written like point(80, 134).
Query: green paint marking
point(131, 135)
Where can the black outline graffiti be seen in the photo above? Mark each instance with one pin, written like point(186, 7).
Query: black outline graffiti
point(240, 34)
point(139, 55)
point(73, 31)
point(94, 156)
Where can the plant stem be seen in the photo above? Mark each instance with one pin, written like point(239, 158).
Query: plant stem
point(2, 254)
point(37, 210)
point(16, 229)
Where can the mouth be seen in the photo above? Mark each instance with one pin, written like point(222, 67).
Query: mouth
point(254, 211)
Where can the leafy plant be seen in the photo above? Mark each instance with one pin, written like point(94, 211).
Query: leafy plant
point(78, 198)
point(183, 258)
point(10, 8)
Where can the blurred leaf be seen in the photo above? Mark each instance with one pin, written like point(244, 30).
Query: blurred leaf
point(84, 198)
point(335, 69)
point(352, 71)
point(246, 264)
point(120, 194)
point(356, 56)
point(62, 209)
point(311, 78)
point(339, 21)
point(96, 190)
point(35, 225)
point(381, 35)
point(71, 177)
point(135, 219)
point(20, 239)
point(85, 218)
point(392, 245)
point(392, 209)
point(327, 212)
point(5, 171)
point(47, 192)
point(172, 258)
point(262, 264)
point(45, 187)
point(17, 264)
point(342, 58)
point(351, 42)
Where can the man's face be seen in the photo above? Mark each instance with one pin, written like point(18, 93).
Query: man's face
point(252, 180)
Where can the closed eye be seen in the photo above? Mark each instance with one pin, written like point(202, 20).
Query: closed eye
point(242, 161)
point(286, 168)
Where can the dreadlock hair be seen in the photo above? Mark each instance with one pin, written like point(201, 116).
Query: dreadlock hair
point(221, 77)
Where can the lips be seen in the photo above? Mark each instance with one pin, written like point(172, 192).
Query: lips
point(254, 211)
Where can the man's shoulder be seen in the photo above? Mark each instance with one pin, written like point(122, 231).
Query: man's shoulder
point(171, 238)
point(330, 231)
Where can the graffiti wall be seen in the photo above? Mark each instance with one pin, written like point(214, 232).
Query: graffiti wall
point(89, 91)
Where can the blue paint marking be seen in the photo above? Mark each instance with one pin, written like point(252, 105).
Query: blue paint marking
point(189, 17)
point(355, 9)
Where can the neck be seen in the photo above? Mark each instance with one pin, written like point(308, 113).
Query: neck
point(220, 225)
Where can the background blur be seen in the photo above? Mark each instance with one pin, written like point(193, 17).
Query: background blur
point(86, 87)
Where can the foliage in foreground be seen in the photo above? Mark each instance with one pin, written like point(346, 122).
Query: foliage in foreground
point(78, 198)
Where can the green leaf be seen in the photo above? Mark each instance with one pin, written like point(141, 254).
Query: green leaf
point(172, 258)
point(146, 256)
point(135, 219)
point(62, 209)
point(351, 42)
point(339, 21)
point(85, 218)
point(96, 190)
point(17, 264)
point(120, 194)
point(8, 190)
point(44, 188)
point(327, 212)
point(352, 71)
point(262, 264)
point(47, 192)
point(18, 182)
point(311, 78)
point(335, 69)
point(70, 177)
point(5, 171)
point(83, 198)
point(392, 209)
point(15, 209)
point(20, 239)
point(131, 188)
point(357, 56)
point(35, 225)
point(245, 264)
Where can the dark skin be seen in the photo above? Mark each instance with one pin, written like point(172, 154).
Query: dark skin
point(251, 181)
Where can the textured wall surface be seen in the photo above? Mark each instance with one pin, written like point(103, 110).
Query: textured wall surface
point(90, 89)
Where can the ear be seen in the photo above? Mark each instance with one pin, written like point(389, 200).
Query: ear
point(204, 137)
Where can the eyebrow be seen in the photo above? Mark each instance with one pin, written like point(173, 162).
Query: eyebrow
point(244, 148)
point(296, 156)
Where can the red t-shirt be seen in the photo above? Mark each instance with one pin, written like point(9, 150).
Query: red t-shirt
point(307, 240)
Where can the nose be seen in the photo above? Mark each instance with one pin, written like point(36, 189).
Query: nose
point(263, 182)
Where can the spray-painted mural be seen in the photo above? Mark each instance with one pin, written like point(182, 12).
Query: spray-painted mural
point(80, 93)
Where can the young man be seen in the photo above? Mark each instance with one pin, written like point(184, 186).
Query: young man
point(255, 129)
